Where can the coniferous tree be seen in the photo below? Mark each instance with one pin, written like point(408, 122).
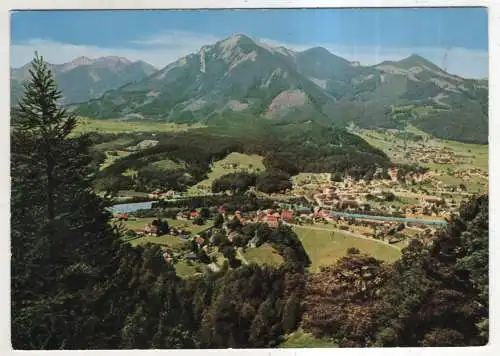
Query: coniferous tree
point(59, 226)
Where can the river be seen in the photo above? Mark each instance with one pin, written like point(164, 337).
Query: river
point(389, 218)
point(130, 207)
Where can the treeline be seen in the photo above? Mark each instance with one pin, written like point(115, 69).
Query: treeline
point(466, 122)
point(243, 203)
point(234, 182)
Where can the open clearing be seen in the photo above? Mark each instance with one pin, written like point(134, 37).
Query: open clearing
point(232, 163)
point(165, 240)
point(110, 126)
point(325, 247)
point(186, 269)
point(301, 339)
point(167, 165)
point(263, 255)
point(111, 158)
point(114, 144)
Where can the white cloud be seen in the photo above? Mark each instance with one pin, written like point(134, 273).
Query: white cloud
point(158, 50)
point(162, 49)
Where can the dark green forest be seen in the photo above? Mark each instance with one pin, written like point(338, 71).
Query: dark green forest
point(76, 285)
point(287, 150)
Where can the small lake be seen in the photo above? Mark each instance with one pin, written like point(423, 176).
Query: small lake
point(130, 207)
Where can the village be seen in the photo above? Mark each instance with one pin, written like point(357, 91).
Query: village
point(449, 161)
point(201, 247)
point(366, 209)
point(391, 208)
point(402, 196)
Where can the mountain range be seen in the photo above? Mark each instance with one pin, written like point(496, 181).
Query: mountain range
point(239, 76)
point(83, 78)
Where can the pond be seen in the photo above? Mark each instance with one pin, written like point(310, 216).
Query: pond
point(130, 207)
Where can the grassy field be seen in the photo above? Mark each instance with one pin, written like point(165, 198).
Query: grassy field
point(242, 161)
point(129, 172)
point(114, 144)
point(262, 255)
point(111, 126)
point(167, 165)
point(305, 178)
point(132, 193)
point(300, 339)
point(402, 244)
point(323, 249)
point(141, 222)
point(110, 159)
point(165, 240)
point(184, 270)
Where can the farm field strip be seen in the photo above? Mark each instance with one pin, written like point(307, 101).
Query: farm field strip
point(115, 126)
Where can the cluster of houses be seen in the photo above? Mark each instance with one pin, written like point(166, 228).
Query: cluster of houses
point(289, 214)
point(420, 153)
point(188, 215)
point(284, 214)
point(410, 177)
point(172, 256)
point(271, 217)
point(360, 195)
point(122, 216)
point(152, 230)
point(158, 194)
point(168, 254)
point(470, 173)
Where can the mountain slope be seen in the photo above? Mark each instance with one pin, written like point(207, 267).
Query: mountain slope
point(235, 74)
point(83, 78)
point(334, 74)
point(240, 74)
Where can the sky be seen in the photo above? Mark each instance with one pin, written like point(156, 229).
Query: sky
point(456, 39)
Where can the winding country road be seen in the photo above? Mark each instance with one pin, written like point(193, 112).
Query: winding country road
point(241, 256)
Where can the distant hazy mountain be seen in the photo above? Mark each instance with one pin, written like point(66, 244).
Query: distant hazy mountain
point(83, 78)
point(242, 75)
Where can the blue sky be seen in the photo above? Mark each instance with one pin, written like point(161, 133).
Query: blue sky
point(456, 39)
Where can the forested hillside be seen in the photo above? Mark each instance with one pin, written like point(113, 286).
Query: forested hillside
point(287, 149)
